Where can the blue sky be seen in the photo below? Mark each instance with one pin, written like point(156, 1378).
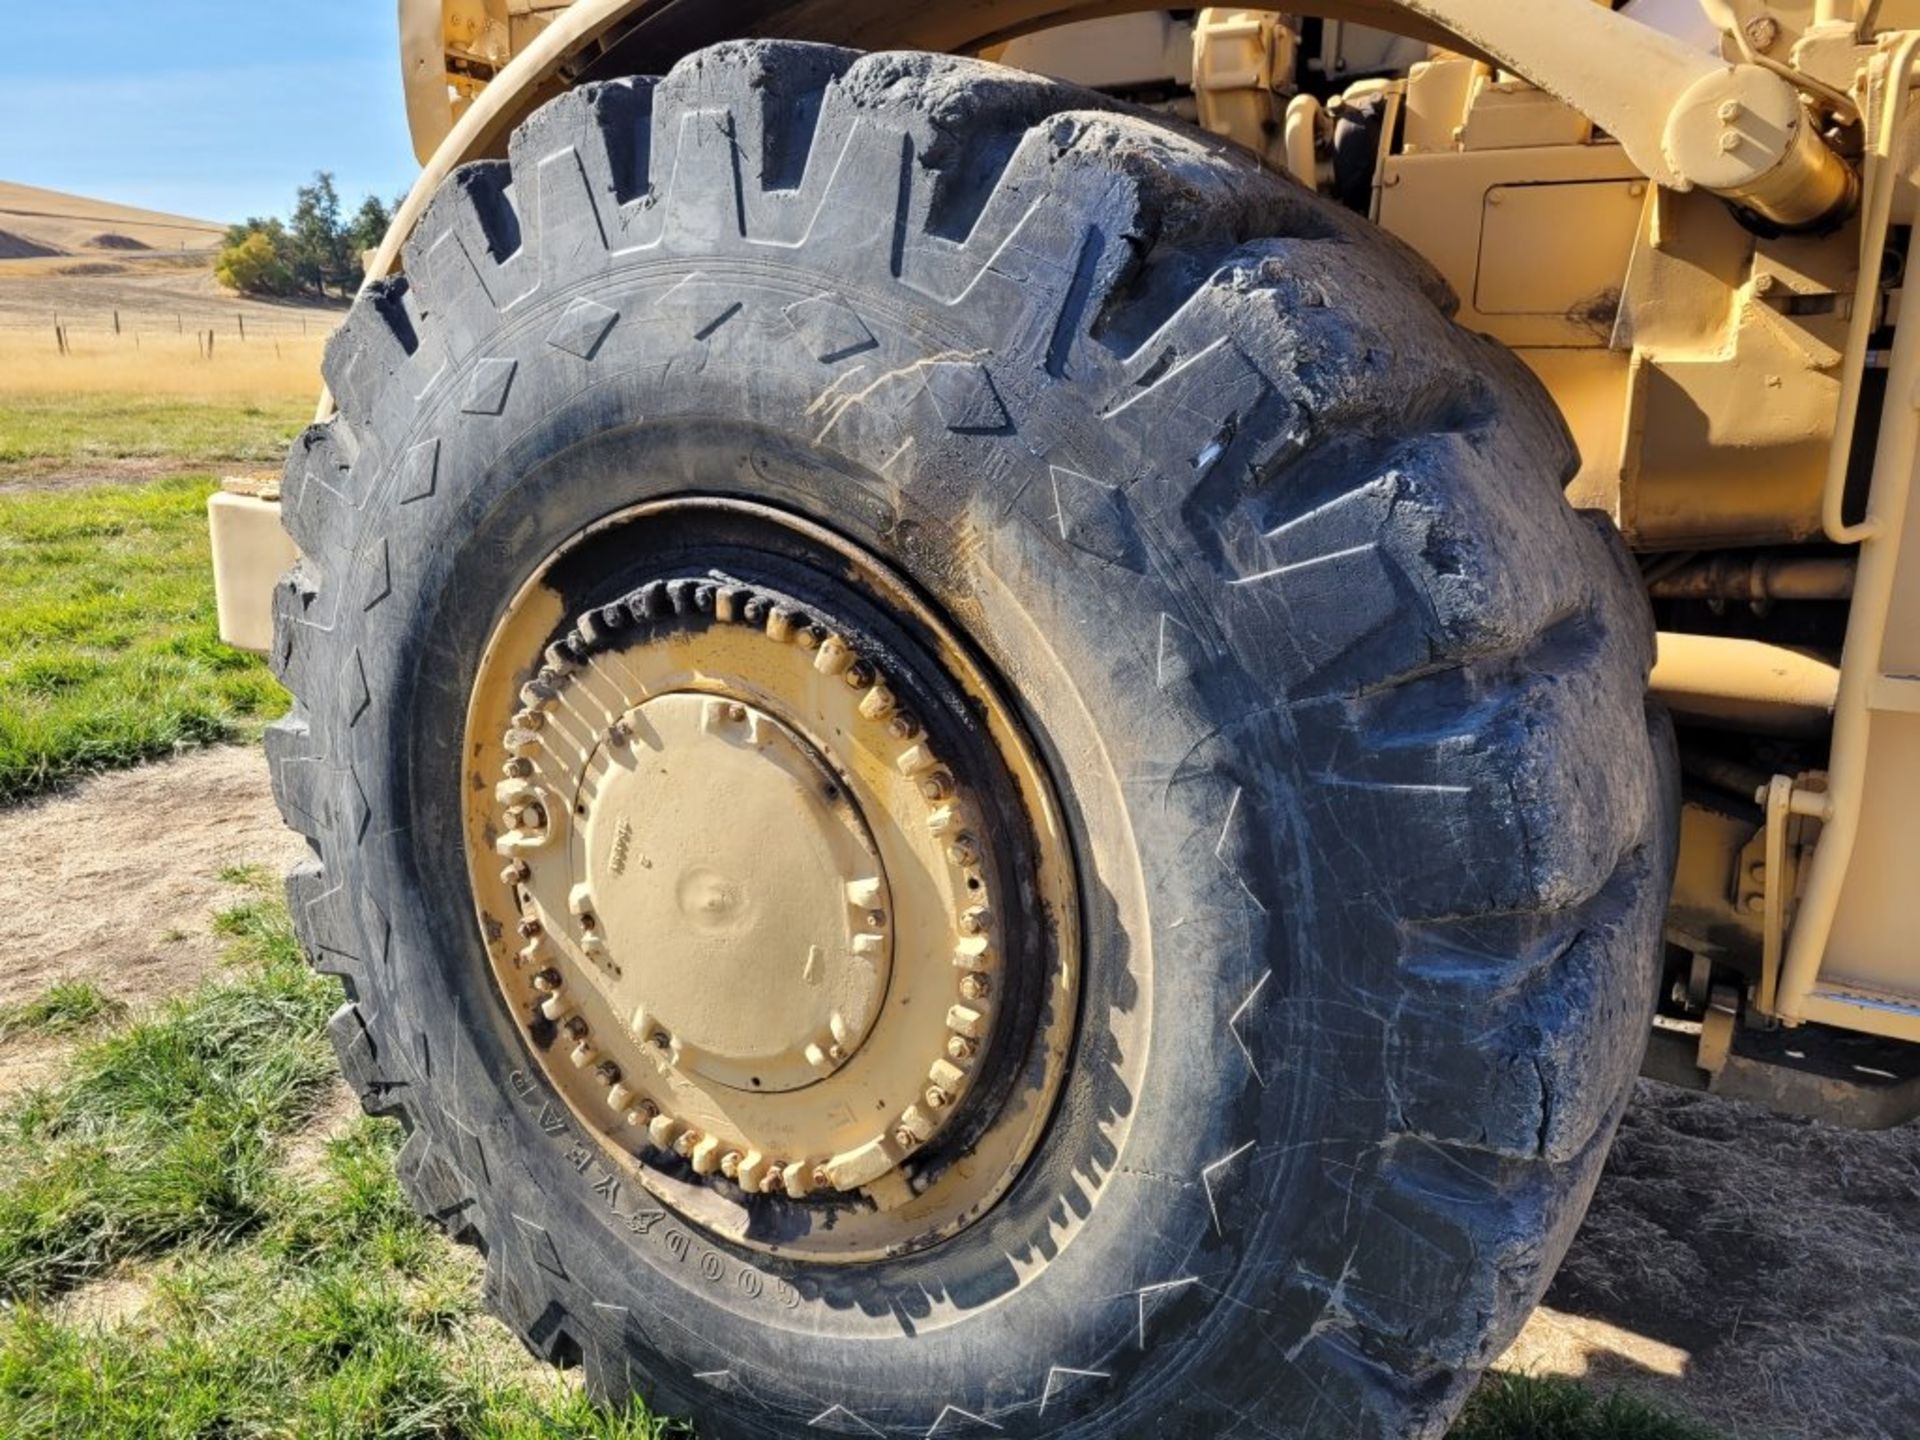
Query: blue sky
point(210, 108)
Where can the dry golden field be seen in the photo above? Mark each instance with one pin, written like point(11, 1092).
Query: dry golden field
point(100, 299)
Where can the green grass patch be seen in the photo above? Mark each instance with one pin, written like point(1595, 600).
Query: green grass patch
point(1521, 1407)
point(162, 1134)
point(109, 650)
point(62, 431)
point(65, 1007)
point(276, 1299)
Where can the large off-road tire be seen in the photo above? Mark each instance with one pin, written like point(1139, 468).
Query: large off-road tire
point(1344, 706)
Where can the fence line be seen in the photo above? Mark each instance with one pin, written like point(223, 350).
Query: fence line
point(62, 327)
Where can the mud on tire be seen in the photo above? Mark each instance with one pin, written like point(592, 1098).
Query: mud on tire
point(1344, 702)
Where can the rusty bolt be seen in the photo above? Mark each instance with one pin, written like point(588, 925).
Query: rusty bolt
point(516, 873)
point(647, 1111)
point(834, 1052)
point(588, 921)
point(904, 1138)
point(737, 714)
point(903, 727)
point(529, 719)
point(974, 987)
point(730, 1164)
point(876, 918)
point(1762, 32)
point(975, 921)
point(936, 1098)
point(529, 927)
point(621, 732)
point(658, 1040)
point(575, 1027)
point(963, 851)
point(959, 1047)
point(547, 981)
point(937, 786)
point(859, 675)
point(607, 1073)
point(813, 637)
point(518, 768)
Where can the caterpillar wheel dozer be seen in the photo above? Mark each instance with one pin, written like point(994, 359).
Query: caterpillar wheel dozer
point(1015, 717)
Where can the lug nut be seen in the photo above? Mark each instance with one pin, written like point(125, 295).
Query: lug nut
point(963, 851)
point(730, 1164)
point(529, 927)
point(937, 786)
point(821, 1179)
point(575, 1027)
point(516, 874)
point(737, 714)
point(685, 1141)
point(529, 719)
point(904, 1138)
point(937, 1098)
point(547, 981)
point(621, 732)
point(959, 1047)
point(518, 768)
point(607, 1073)
point(587, 921)
point(975, 921)
point(903, 727)
point(859, 675)
point(659, 1040)
point(974, 987)
point(876, 918)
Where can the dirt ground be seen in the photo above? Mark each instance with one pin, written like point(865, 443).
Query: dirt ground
point(115, 882)
point(1758, 1274)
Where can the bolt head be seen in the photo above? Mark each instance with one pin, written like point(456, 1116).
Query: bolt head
point(529, 927)
point(936, 1098)
point(737, 714)
point(963, 851)
point(1730, 141)
point(517, 768)
point(876, 918)
point(575, 1027)
point(903, 727)
point(937, 786)
point(516, 873)
point(685, 1141)
point(607, 1073)
point(547, 981)
point(974, 987)
point(730, 1164)
point(1729, 111)
point(959, 1047)
point(904, 1138)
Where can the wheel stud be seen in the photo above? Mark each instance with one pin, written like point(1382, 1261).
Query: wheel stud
point(974, 987)
point(516, 873)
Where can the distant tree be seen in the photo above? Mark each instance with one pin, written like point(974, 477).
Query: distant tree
point(315, 251)
point(370, 225)
point(321, 255)
point(253, 260)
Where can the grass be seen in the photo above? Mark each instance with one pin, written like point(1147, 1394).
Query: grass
point(48, 431)
point(280, 369)
point(1519, 1407)
point(109, 651)
point(65, 1007)
point(276, 1298)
